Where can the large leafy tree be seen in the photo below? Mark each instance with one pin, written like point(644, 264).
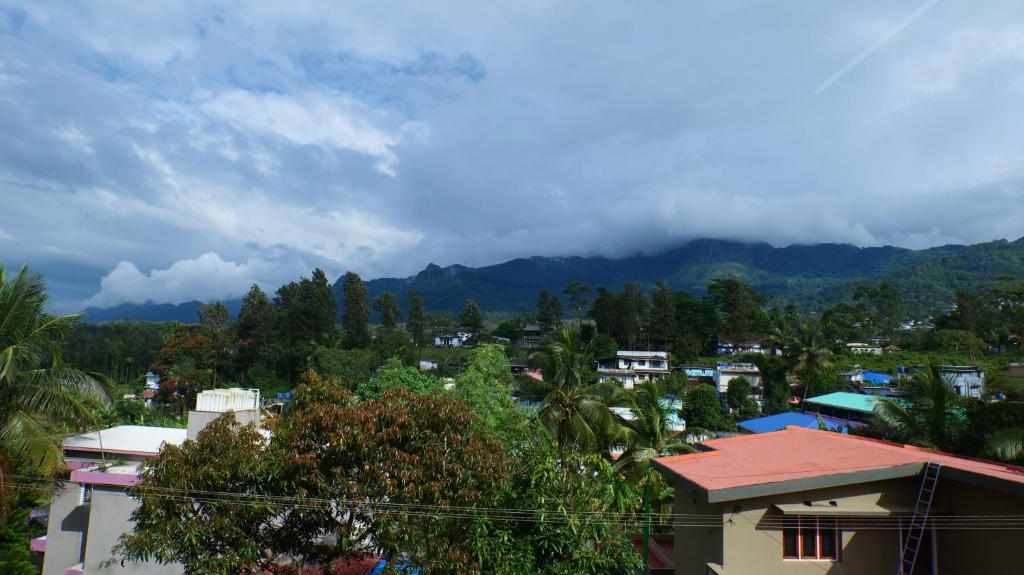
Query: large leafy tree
point(662, 318)
point(573, 403)
point(702, 408)
point(739, 306)
point(356, 318)
point(39, 393)
point(308, 312)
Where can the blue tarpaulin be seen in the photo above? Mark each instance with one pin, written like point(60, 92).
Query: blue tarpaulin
point(877, 378)
point(782, 420)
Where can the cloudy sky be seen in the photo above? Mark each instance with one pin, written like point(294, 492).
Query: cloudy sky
point(179, 150)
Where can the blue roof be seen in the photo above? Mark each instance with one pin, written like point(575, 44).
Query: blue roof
point(782, 420)
point(402, 567)
point(877, 378)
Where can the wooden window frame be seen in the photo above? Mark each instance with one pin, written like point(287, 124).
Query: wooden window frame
point(799, 524)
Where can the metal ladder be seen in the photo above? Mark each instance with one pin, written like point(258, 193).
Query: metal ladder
point(915, 531)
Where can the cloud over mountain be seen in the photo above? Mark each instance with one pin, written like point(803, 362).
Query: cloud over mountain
point(381, 136)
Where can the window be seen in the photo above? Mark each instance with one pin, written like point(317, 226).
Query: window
point(810, 538)
point(86, 494)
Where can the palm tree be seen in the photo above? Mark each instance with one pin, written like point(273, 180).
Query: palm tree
point(649, 434)
point(931, 416)
point(38, 393)
point(810, 355)
point(574, 407)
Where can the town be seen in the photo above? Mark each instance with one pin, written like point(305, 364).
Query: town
point(854, 436)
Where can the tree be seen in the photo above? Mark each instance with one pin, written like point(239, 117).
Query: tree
point(256, 320)
point(211, 535)
point(702, 408)
point(485, 387)
point(355, 320)
point(648, 435)
point(634, 314)
point(387, 304)
point(215, 325)
point(472, 319)
point(394, 375)
point(738, 394)
point(555, 525)
point(574, 409)
point(663, 315)
point(933, 418)
point(307, 315)
point(546, 302)
point(739, 306)
point(883, 308)
point(810, 357)
point(417, 324)
point(15, 556)
point(698, 324)
point(39, 393)
point(577, 293)
point(351, 367)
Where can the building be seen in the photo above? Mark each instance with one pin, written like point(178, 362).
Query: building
point(858, 377)
point(967, 380)
point(697, 374)
point(739, 344)
point(785, 419)
point(842, 405)
point(523, 367)
point(726, 372)
point(92, 510)
point(802, 501)
point(459, 339)
point(530, 337)
point(632, 367)
point(858, 348)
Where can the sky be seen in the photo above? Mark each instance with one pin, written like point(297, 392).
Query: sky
point(169, 151)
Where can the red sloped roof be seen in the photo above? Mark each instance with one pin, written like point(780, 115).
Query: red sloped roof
point(797, 453)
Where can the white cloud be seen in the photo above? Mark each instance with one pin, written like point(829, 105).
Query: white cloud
point(5, 236)
point(324, 120)
point(205, 278)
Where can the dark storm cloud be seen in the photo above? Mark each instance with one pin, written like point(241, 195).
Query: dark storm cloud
point(186, 149)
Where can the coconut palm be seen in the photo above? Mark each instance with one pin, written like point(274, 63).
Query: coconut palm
point(573, 407)
point(930, 417)
point(649, 434)
point(38, 393)
point(811, 355)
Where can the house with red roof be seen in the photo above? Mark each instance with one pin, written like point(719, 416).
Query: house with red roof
point(803, 500)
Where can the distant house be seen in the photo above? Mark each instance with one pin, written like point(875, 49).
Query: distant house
point(523, 367)
point(892, 348)
point(859, 348)
point(697, 374)
point(967, 380)
point(632, 367)
point(843, 405)
point(858, 377)
point(781, 421)
point(530, 337)
point(808, 501)
point(739, 344)
point(459, 339)
point(427, 364)
point(1014, 370)
point(726, 372)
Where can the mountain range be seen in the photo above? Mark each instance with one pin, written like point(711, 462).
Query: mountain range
point(812, 276)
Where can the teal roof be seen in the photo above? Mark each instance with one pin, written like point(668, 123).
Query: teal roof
point(846, 400)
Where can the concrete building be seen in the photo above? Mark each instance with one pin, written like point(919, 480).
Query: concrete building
point(91, 510)
point(530, 337)
point(859, 348)
point(803, 501)
point(452, 340)
point(632, 367)
point(967, 380)
point(739, 344)
point(726, 372)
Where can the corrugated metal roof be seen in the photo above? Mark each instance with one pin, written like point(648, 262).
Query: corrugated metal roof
point(845, 400)
point(787, 418)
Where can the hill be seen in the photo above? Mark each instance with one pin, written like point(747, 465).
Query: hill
point(811, 276)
